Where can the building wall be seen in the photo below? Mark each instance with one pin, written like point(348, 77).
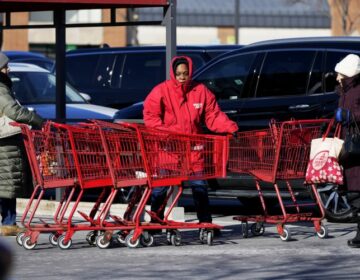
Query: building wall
point(16, 39)
point(114, 36)
point(153, 35)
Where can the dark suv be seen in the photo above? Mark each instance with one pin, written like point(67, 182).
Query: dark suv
point(280, 79)
point(119, 77)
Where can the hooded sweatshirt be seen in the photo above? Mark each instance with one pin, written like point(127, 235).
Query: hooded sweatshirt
point(184, 108)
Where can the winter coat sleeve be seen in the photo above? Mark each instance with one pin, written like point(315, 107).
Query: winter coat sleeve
point(12, 109)
point(152, 110)
point(215, 119)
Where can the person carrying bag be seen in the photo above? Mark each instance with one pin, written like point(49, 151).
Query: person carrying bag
point(348, 116)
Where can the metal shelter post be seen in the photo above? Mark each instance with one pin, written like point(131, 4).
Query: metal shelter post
point(59, 20)
point(170, 23)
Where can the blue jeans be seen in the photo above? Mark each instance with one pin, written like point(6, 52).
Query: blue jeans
point(8, 211)
point(200, 196)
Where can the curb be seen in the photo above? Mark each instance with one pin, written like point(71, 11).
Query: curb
point(48, 208)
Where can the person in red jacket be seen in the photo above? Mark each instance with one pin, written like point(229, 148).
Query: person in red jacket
point(182, 105)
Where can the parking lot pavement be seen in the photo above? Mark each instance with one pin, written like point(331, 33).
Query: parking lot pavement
point(231, 257)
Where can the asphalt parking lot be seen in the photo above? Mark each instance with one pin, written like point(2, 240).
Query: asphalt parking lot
point(231, 257)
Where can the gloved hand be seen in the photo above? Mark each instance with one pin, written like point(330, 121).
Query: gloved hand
point(342, 116)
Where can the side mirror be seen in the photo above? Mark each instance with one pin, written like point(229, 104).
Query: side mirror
point(86, 96)
point(31, 109)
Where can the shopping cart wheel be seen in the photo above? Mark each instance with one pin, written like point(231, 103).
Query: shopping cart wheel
point(91, 238)
point(257, 229)
point(209, 237)
point(202, 236)
point(27, 244)
point(62, 245)
point(245, 229)
point(131, 244)
point(53, 239)
point(102, 242)
point(323, 233)
point(175, 238)
point(146, 239)
point(19, 238)
point(121, 236)
point(286, 236)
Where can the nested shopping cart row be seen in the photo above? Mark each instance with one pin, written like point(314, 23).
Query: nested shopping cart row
point(279, 153)
point(108, 156)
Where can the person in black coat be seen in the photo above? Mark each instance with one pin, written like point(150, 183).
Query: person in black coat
point(13, 160)
point(348, 112)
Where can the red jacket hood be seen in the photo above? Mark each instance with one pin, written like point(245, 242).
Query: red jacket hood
point(189, 82)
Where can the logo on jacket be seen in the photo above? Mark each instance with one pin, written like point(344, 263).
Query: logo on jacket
point(197, 105)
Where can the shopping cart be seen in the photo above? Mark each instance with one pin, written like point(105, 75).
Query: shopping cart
point(52, 166)
point(78, 157)
point(279, 153)
point(169, 160)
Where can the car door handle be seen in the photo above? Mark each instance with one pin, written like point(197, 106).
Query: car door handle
point(299, 107)
point(230, 112)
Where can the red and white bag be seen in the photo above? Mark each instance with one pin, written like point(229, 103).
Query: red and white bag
point(323, 166)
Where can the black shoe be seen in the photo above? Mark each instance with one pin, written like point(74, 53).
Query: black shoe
point(354, 243)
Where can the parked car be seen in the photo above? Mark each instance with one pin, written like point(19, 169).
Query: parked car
point(119, 77)
point(30, 57)
point(35, 88)
point(277, 79)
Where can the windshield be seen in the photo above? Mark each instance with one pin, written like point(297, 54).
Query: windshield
point(39, 88)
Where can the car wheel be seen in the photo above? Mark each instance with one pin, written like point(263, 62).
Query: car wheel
point(335, 202)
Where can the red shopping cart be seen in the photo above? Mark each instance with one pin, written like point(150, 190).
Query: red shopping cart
point(52, 166)
point(280, 153)
point(170, 159)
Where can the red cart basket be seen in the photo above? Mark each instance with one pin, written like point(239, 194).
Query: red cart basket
point(280, 153)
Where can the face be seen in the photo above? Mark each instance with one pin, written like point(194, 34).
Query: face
point(5, 69)
point(339, 78)
point(182, 73)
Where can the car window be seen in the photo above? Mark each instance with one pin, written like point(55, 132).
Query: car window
point(285, 73)
point(143, 71)
point(315, 82)
point(39, 87)
point(90, 70)
point(332, 58)
point(227, 78)
point(48, 65)
point(197, 59)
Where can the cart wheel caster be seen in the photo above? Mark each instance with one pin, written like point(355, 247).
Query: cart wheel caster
point(286, 236)
point(257, 229)
point(202, 235)
point(175, 238)
point(19, 238)
point(102, 242)
point(121, 236)
point(53, 239)
point(91, 238)
point(210, 237)
point(62, 245)
point(244, 229)
point(27, 244)
point(131, 244)
point(146, 239)
point(323, 233)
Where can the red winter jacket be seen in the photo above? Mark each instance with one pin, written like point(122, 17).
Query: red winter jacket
point(174, 107)
point(180, 108)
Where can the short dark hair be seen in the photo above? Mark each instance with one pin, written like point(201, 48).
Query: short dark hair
point(179, 61)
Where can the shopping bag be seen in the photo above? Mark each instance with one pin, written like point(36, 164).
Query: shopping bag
point(351, 147)
point(323, 166)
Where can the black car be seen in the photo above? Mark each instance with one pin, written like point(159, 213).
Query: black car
point(119, 77)
point(277, 79)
